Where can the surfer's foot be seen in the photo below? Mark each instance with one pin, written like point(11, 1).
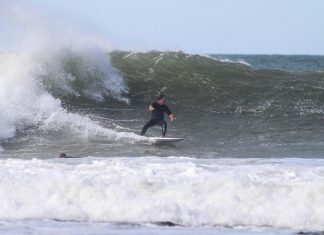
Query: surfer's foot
point(162, 136)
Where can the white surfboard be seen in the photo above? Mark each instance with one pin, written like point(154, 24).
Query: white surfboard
point(159, 140)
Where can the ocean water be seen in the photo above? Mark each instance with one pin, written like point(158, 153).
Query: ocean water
point(251, 162)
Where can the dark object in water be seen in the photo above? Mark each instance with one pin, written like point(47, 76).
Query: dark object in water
point(63, 155)
point(166, 223)
point(311, 233)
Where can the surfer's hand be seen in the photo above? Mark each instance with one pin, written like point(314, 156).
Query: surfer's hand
point(150, 108)
point(172, 117)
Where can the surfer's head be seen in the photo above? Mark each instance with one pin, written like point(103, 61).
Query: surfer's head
point(161, 99)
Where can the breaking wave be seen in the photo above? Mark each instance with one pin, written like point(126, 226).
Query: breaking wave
point(33, 93)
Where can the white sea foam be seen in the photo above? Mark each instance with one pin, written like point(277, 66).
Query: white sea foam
point(194, 192)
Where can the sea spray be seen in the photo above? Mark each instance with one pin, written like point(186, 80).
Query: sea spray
point(52, 60)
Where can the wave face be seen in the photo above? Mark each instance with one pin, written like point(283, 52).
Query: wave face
point(221, 86)
point(183, 191)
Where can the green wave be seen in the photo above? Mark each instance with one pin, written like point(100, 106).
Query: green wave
point(204, 83)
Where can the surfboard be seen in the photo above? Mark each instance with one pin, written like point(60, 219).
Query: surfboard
point(159, 140)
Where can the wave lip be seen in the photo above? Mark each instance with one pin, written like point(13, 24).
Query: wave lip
point(84, 73)
point(185, 191)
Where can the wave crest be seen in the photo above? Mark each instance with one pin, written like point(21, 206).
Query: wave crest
point(85, 73)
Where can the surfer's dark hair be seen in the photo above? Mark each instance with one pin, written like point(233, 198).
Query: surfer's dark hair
point(160, 97)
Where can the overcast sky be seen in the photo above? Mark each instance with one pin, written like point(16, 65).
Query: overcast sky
point(200, 26)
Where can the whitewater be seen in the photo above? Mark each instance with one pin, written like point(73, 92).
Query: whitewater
point(284, 193)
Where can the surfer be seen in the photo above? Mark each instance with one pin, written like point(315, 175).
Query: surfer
point(157, 118)
point(63, 155)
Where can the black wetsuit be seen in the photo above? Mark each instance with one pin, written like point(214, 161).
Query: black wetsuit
point(157, 118)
